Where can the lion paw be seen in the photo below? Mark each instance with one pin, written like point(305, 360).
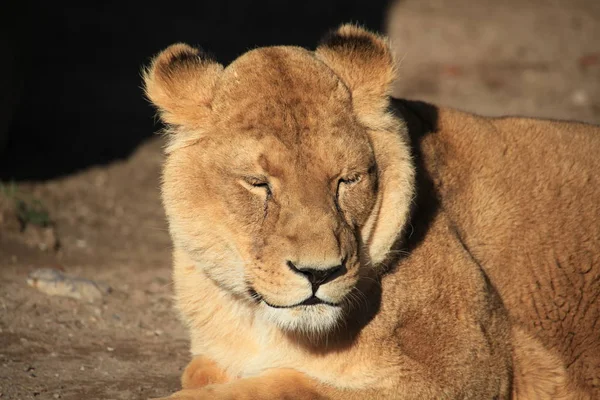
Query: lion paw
point(200, 372)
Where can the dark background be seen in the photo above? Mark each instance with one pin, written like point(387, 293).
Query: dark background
point(70, 77)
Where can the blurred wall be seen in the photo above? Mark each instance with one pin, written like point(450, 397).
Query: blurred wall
point(536, 58)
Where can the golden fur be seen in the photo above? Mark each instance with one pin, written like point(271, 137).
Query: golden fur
point(461, 253)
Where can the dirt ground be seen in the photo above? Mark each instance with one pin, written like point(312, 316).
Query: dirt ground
point(535, 58)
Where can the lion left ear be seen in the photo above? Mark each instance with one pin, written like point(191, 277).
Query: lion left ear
point(180, 82)
point(364, 62)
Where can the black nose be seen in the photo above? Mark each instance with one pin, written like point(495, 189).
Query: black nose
point(318, 275)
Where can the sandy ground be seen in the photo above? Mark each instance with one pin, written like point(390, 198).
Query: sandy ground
point(535, 58)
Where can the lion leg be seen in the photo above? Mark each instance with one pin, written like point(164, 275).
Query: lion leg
point(202, 371)
point(291, 384)
point(274, 384)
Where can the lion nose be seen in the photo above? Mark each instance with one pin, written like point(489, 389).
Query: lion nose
point(318, 275)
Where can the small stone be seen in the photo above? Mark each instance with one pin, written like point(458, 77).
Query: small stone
point(580, 97)
point(55, 283)
point(82, 368)
point(110, 349)
point(158, 332)
point(56, 396)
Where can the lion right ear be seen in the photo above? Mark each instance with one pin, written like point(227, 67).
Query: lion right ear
point(180, 82)
point(365, 63)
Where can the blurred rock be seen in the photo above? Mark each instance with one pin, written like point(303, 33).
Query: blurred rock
point(55, 283)
point(43, 238)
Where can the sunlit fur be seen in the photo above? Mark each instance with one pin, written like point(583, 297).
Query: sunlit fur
point(453, 284)
point(318, 319)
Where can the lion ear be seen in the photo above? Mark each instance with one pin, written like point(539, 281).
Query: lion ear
point(364, 62)
point(180, 82)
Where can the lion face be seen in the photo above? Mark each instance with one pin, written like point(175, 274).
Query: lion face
point(273, 183)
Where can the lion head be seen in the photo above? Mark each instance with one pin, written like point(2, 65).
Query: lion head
point(287, 180)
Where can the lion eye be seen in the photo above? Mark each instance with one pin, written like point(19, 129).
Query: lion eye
point(253, 183)
point(262, 185)
point(351, 179)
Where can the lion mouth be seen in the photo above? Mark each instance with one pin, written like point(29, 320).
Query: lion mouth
point(311, 301)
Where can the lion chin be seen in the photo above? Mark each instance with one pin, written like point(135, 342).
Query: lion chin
point(312, 321)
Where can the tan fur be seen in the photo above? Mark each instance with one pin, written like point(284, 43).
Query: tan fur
point(200, 372)
point(465, 249)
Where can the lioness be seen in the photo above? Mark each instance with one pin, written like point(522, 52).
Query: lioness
point(333, 243)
